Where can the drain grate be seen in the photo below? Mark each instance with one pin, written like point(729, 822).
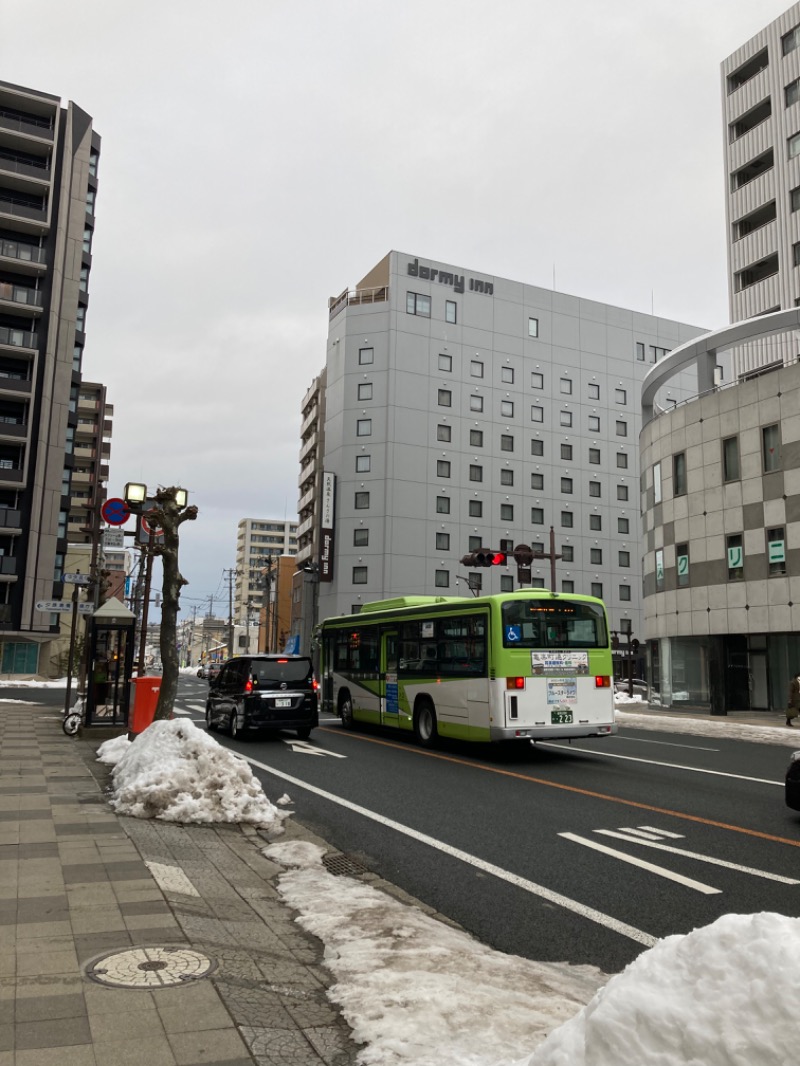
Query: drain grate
point(150, 967)
point(343, 865)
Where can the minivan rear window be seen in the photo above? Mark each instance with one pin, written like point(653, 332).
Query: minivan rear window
point(277, 671)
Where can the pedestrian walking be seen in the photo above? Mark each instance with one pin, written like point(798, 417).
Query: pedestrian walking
point(793, 708)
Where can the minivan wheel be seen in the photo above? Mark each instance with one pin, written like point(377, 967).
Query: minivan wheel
point(233, 726)
point(209, 724)
point(304, 733)
point(346, 711)
point(425, 729)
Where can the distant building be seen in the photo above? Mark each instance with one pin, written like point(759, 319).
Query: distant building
point(257, 541)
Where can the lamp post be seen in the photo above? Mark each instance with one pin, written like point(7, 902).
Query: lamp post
point(167, 511)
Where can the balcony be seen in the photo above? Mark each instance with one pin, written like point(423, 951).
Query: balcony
point(13, 429)
point(21, 208)
point(378, 294)
point(10, 475)
point(19, 338)
point(10, 518)
point(8, 566)
point(20, 296)
point(40, 126)
point(308, 446)
point(29, 167)
point(27, 258)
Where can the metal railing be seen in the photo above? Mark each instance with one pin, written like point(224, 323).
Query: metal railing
point(18, 338)
point(377, 294)
point(26, 253)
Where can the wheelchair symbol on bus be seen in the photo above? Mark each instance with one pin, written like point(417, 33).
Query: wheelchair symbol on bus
point(513, 634)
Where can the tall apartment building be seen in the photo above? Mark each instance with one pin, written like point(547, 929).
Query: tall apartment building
point(91, 451)
point(462, 410)
point(48, 184)
point(257, 540)
point(761, 105)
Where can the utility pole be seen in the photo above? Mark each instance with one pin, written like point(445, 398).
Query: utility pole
point(231, 572)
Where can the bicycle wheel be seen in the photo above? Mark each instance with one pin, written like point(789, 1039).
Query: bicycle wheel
point(72, 724)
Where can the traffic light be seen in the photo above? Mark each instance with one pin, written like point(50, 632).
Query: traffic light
point(484, 557)
point(523, 554)
point(634, 645)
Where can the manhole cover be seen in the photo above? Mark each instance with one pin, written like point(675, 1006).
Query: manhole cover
point(150, 967)
point(343, 865)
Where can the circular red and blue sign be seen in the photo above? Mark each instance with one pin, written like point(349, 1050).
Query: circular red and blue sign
point(115, 511)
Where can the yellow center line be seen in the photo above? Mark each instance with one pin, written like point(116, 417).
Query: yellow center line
point(566, 788)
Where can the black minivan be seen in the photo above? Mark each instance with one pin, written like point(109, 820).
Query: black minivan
point(253, 693)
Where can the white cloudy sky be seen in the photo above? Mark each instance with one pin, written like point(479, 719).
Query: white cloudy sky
point(260, 156)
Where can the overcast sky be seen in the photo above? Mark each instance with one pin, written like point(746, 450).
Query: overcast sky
point(260, 156)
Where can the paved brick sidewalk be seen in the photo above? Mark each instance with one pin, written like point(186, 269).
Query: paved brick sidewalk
point(75, 887)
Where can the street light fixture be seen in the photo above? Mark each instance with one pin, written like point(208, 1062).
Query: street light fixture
point(135, 494)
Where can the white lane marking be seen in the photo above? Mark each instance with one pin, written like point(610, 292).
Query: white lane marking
point(310, 749)
point(581, 909)
point(698, 886)
point(653, 835)
point(171, 878)
point(695, 855)
point(655, 762)
point(665, 743)
point(662, 832)
point(177, 710)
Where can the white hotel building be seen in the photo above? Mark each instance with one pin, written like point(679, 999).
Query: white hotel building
point(463, 410)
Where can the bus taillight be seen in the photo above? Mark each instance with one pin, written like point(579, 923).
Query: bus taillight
point(515, 682)
point(602, 682)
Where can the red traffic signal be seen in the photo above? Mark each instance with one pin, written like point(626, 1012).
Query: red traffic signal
point(484, 557)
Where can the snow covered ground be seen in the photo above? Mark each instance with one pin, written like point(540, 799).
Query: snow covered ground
point(417, 992)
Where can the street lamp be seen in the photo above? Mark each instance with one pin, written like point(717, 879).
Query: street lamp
point(166, 512)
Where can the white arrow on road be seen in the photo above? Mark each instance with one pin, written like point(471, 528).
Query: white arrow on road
point(309, 749)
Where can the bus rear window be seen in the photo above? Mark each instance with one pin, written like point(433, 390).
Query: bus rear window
point(553, 624)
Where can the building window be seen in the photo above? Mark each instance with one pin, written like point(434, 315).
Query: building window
point(476, 473)
point(446, 363)
point(507, 375)
point(365, 390)
point(659, 569)
point(445, 398)
point(565, 385)
point(596, 557)
point(444, 433)
point(735, 551)
point(442, 468)
point(537, 482)
point(363, 464)
point(594, 456)
point(506, 442)
point(87, 239)
point(622, 429)
point(623, 525)
point(417, 304)
point(595, 521)
point(566, 451)
point(597, 590)
point(679, 474)
point(567, 586)
point(565, 418)
point(795, 198)
point(360, 538)
point(792, 92)
point(657, 482)
point(730, 459)
point(624, 593)
point(442, 579)
point(506, 512)
point(364, 427)
point(595, 488)
point(533, 327)
point(507, 408)
point(640, 351)
point(624, 558)
point(476, 438)
point(537, 447)
point(566, 485)
point(443, 505)
point(567, 553)
point(475, 582)
point(567, 519)
point(620, 396)
point(450, 312)
point(622, 492)
point(476, 403)
point(476, 508)
point(361, 501)
point(537, 516)
point(771, 448)
point(594, 392)
point(537, 414)
point(682, 563)
point(476, 368)
point(790, 40)
point(537, 380)
point(366, 356)
point(474, 544)
point(506, 477)
point(776, 550)
point(657, 353)
point(622, 461)
point(359, 575)
point(594, 423)
point(506, 583)
point(443, 542)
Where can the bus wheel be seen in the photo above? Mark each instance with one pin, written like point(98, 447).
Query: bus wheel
point(425, 725)
point(346, 711)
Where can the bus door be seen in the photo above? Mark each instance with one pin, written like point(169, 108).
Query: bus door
point(390, 710)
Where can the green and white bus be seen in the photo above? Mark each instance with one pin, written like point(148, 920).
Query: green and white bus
point(529, 665)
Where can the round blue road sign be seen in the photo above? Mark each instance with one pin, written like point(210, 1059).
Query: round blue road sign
point(115, 511)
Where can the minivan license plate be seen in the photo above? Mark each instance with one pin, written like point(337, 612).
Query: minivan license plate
point(283, 703)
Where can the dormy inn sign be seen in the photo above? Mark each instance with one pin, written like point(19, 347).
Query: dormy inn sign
point(447, 277)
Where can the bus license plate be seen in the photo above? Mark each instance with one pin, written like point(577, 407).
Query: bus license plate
point(560, 717)
point(288, 703)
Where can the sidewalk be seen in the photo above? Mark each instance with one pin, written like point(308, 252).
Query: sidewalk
point(208, 965)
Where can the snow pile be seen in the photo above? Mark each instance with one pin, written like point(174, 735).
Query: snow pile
point(178, 773)
point(712, 727)
point(723, 995)
point(417, 991)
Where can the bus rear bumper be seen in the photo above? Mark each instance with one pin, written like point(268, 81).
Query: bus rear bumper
point(594, 729)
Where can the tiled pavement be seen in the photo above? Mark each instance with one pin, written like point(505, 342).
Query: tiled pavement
point(74, 887)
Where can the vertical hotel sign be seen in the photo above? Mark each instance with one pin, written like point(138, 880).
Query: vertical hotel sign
point(326, 527)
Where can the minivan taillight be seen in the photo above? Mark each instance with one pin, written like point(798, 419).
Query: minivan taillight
point(248, 685)
point(315, 684)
